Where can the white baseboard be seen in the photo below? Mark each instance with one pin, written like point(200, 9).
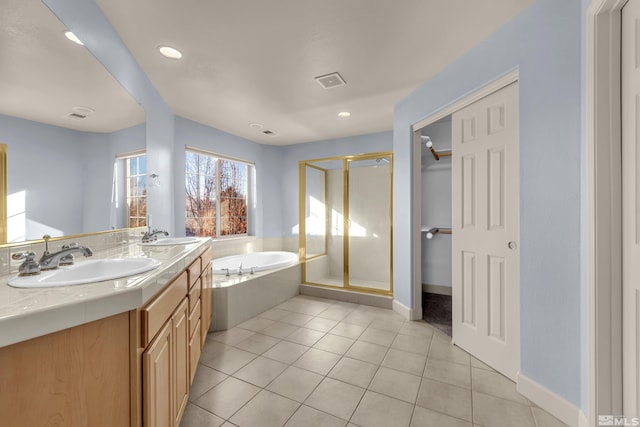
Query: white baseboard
point(402, 310)
point(557, 406)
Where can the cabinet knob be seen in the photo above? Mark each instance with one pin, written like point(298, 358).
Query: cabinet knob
point(512, 245)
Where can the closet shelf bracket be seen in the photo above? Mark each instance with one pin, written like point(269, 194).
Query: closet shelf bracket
point(436, 153)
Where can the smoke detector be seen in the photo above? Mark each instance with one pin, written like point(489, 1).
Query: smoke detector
point(329, 81)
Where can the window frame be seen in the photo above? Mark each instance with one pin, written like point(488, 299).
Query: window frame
point(248, 189)
point(126, 158)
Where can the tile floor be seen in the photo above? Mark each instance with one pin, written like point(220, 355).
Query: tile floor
point(319, 362)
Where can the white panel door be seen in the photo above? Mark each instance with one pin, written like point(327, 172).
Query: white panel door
point(486, 263)
point(630, 209)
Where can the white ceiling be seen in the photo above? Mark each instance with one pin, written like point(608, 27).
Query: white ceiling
point(253, 61)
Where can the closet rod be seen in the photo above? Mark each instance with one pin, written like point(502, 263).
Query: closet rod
point(432, 231)
point(436, 154)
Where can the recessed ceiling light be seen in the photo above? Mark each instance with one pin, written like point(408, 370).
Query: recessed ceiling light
point(255, 125)
point(170, 52)
point(344, 114)
point(68, 34)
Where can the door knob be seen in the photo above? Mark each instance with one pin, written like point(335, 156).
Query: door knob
point(512, 245)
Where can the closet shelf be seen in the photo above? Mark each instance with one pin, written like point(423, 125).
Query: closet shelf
point(432, 231)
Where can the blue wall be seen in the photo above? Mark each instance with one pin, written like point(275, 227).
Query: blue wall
point(66, 174)
point(544, 44)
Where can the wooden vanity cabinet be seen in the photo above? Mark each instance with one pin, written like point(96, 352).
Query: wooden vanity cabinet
point(165, 362)
point(130, 369)
point(173, 330)
point(78, 376)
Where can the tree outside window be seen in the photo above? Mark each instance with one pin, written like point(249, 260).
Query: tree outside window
point(216, 196)
point(136, 168)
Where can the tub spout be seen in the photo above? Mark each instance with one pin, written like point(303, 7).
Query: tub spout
point(252, 271)
point(240, 270)
point(227, 272)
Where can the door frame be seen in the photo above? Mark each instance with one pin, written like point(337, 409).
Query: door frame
point(604, 209)
point(493, 86)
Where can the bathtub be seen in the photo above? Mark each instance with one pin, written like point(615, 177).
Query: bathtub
point(257, 261)
point(237, 298)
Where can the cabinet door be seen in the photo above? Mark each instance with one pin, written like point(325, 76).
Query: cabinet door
point(157, 371)
point(181, 378)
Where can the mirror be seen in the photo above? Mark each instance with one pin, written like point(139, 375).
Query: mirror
point(64, 119)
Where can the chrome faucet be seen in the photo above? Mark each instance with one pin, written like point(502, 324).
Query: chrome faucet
point(150, 236)
point(68, 259)
point(240, 270)
point(52, 261)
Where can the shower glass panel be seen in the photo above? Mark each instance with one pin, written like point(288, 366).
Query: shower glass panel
point(324, 221)
point(316, 211)
point(369, 222)
point(345, 222)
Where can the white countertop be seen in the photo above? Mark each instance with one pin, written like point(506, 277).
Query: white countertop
point(29, 313)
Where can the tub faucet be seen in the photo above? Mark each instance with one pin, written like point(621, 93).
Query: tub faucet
point(52, 261)
point(150, 236)
point(228, 274)
point(240, 270)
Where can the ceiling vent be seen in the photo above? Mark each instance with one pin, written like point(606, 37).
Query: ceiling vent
point(268, 132)
point(329, 81)
point(79, 113)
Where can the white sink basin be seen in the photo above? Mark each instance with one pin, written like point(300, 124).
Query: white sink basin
point(166, 241)
point(87, 272)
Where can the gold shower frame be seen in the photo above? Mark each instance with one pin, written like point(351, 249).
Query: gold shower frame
point(3, 193)
point(346, 160)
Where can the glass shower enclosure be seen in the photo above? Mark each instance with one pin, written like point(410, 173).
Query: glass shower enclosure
point(346, 218)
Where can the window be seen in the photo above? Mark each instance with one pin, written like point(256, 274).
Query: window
point(136, 170)
point(216, 195)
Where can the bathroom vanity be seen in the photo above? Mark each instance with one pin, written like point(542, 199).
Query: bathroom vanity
point(114, 353)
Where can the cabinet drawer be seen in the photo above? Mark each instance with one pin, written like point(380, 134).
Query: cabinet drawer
point(194, 318)
point(155, 314)
point(194, 272)
point(194, 295)
point(206, 257)
point(194, 352)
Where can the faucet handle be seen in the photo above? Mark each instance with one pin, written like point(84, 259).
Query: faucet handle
point(24, 255)
point(30, 266)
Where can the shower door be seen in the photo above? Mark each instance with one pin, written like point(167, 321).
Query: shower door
point(368, 201)
point(322, 193)
point(345, 222)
